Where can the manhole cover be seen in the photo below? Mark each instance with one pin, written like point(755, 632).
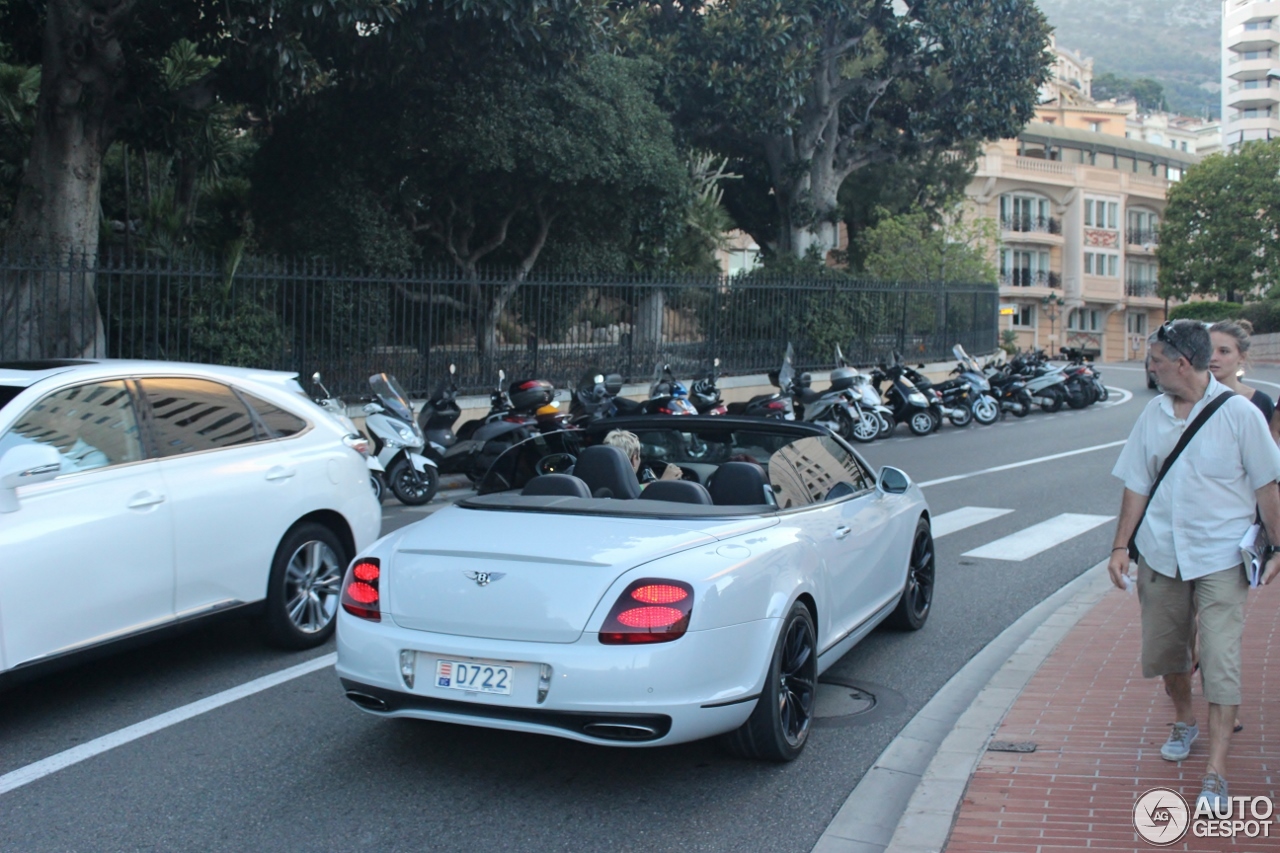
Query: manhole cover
point(842, 700)
point(1011, 746)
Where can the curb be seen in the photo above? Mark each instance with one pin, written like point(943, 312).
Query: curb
point(907, 801)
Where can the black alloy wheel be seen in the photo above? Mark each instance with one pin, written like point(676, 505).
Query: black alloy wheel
point(917, 594)
point(778, 727)
point(411, 487)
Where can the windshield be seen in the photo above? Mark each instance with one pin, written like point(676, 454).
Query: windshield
point(391, 395)
point(7, 393)
point(787, 374)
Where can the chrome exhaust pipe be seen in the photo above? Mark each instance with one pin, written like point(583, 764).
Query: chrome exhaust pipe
point(620, 731)
point(364, 700)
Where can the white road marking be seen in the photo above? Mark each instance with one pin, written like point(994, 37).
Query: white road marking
point(1125, 396)
point(59, 761)
point(966, 516)
point(1021, 464)
point(1039, 537)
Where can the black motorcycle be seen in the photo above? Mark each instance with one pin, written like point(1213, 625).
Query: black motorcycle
point(777, 405)
point(909, 406)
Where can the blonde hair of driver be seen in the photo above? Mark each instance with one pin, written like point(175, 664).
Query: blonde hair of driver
point(627, 442)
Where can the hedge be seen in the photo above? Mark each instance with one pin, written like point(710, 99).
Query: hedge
point(1264, 315)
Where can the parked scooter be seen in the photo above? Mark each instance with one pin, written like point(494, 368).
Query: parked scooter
point(951, 397)
point(397, 440)
point(705, 396)
point(777, 405)
point(667, 395)
point(512, 417)
point(908, 404)
point(986, 408)
point(877, 418)
point(1010, 389)
point(1045, 382)
point(833, 408)
point(354, 439)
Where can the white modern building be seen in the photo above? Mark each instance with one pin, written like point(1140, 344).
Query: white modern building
point(1250, 71)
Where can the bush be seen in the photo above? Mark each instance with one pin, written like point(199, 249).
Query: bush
point(1210, 312)
point(1264, 315)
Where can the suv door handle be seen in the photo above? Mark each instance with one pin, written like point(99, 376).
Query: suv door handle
point(145, 499)
point(279, 473)
point(842, 531)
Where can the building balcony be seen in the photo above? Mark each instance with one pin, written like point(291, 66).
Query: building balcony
point(1031, 278)
point(1239, 68)
point(1144, 238)
point(1242, 96)
point(1031, 225)
point(1261, 37)
point(1140, 288)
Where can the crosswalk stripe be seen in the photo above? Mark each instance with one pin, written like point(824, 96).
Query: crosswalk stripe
point(1039, 537)
point(966, 516)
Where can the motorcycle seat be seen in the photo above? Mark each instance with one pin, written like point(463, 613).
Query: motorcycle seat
point(808, 395)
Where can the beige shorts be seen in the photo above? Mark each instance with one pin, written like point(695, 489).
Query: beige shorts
point(1171, 610)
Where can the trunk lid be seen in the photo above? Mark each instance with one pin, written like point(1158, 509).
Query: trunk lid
point(526, 576)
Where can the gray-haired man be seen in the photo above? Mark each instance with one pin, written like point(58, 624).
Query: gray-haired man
point(1189, 538)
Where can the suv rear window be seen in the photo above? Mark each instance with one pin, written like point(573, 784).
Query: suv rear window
point(7, 393)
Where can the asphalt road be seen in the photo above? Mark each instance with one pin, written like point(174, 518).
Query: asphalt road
point(297, 767)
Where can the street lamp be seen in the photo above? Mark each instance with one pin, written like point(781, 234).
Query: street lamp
point(1052, 304)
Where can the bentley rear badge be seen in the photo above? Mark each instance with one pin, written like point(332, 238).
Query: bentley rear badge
point(485, 578)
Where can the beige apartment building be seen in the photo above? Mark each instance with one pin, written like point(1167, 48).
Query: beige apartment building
point(1250, 71)
point(1078, 211)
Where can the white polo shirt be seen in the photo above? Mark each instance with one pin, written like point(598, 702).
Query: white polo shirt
point(1206, 502)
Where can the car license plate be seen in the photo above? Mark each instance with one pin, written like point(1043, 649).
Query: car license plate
point(474, 676)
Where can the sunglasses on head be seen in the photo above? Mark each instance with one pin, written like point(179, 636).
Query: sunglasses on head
point(1165, 336)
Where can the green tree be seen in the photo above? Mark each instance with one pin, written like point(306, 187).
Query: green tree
point(910, 247)
point(1148, 93)
point(803, 93)
point(1221, 228)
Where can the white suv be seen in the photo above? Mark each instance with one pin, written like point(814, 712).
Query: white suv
point(135, 495)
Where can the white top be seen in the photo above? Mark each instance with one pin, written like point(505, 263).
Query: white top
point(1206, 502)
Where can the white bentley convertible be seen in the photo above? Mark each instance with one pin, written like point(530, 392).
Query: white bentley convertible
point(566, 600)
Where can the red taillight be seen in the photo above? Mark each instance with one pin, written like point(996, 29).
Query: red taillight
point(649, 611)
point(776, 405)
point(360, 590)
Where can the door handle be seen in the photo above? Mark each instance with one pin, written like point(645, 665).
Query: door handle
point(278, 473)
point(842, 531)
point(145, 499)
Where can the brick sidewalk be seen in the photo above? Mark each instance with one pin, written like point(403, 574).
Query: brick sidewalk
point(1098, 726)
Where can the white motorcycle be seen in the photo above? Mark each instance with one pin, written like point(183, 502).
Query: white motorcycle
point(398, 442)
point(355, 439)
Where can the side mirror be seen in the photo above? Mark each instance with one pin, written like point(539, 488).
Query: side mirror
point(893, 481)
point(25, 465)
point(715, 362)
point(502, 376)
point(453, 368)
point(315, 377)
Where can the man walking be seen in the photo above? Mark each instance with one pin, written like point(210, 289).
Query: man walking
point(1189, 537)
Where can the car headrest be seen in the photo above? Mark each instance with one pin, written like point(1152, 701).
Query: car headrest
point(740, 484)
point(563, 485)
point(679, 491)
point(607, 472)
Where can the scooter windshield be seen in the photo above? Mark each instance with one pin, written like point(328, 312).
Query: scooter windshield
point(392, 397)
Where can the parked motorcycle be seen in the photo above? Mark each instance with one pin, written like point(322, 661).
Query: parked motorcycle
point(705, 395)
point(1047, 383)
point(354, 439)
point(512, 417)
point(667, 395)
point(909, 406)
point(1088, 377)
point(986, 408)
point(833, 408)
point(397, 440)
point(950, 398)
point(777, 405)
point(1010, 389)
point(875, 418)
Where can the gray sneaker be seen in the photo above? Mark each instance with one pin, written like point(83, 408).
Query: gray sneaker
point(1213, 794)
point(1178, 746)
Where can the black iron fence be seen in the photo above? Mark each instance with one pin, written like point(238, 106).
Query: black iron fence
point(307, 316)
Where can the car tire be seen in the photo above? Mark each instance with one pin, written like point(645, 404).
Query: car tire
point(304, 588)
point(404, 485)
point(778, 728)
point(916, 600)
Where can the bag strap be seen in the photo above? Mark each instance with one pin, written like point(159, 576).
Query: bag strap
point(1187, 434)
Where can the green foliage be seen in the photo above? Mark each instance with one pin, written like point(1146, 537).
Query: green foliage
point(232, 326)
point(19, 88)
point(909, 247)
point(1209, 312)
point(1263, 314)
point(1221, 228)
point(1148, 93)
point(1009, 341)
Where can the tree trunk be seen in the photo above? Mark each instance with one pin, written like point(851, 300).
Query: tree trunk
point(57, 210)
point(647, 332)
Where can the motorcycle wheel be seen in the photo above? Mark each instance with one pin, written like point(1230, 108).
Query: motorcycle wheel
point(886, 424)
point(375, 483)
point(961, 416)
point(845, 424)
point(1103, 393)
point(986, 411)
point(867, 429)
point(1024, 398)
point(921, 423)
point(937, 419)
point(404, 485)
point(1055, 395)
point(1078, 398)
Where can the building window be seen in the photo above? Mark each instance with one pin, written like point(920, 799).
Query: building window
point(1084, 320)
point(1184, 145)
point(1025, 317)
point(1138, 324)
point(1258, 25)
point(1256, 54)
point(1095, 126)
point(1025, 269)
point(1101, 214)
point(1102, 264)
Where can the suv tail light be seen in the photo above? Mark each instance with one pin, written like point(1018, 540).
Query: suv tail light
point(650, 610)
point(357, 442)
point(360, 590)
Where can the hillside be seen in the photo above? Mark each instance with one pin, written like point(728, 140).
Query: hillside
point(1175, 42)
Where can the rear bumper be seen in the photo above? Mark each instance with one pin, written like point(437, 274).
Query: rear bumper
point(703, 684)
